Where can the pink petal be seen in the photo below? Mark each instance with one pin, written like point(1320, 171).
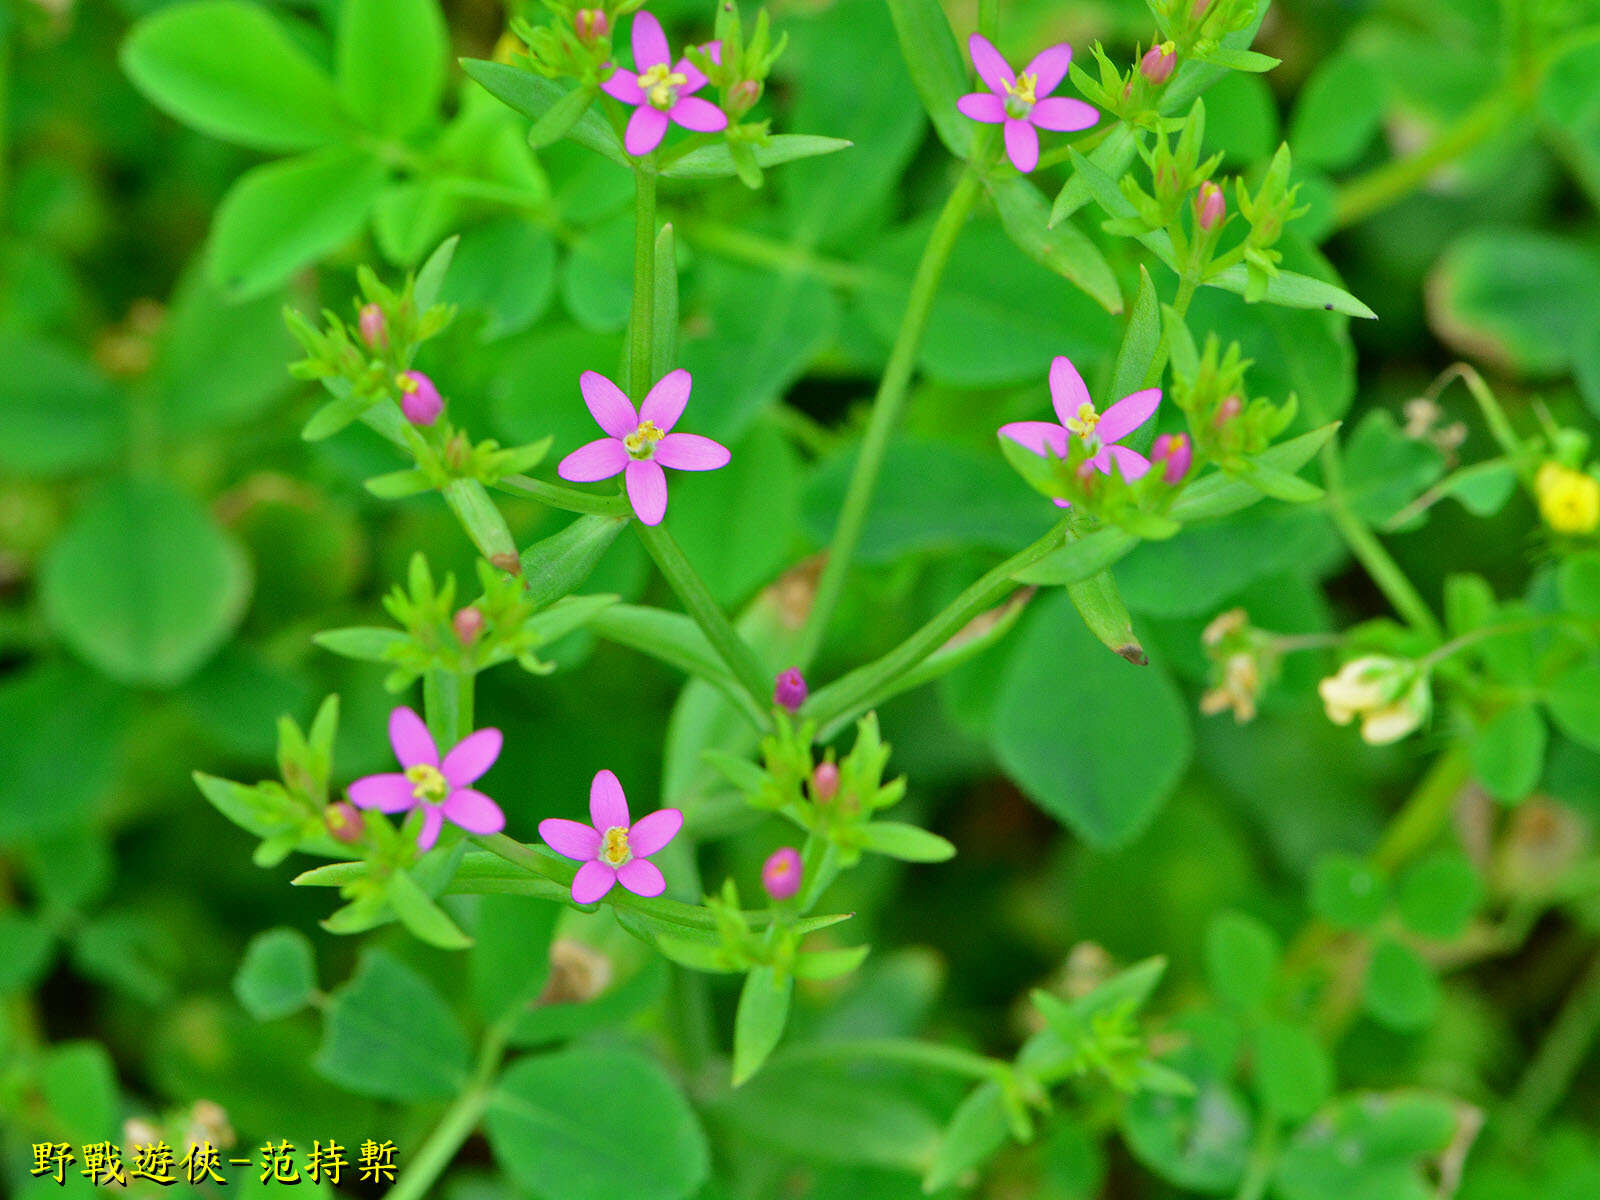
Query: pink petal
point(646, 128)
point(608, 806)
point(386, 793)
point(1039, 436)
point(1068, 392)
point(1022, 145)
point(651, 833)
point(713, 51)
point(695, 77)
point(691, 452)
point(983, 106)
point(1049, 68)
point(642, 877)
point(572, 839)
point(647, 490)
point(623, 85)
point(665, 401)
point(610, 409)
point(992, 69)
point(1127, 414)
point(412, 742)
point(432, 822)
point(593, 880)
point(1063, 115)
point(700, 115)
point(649, 43)
point(595, 461)
point(472, 756)
point(1060, 503)
point(1131, 463)
point(474, 812)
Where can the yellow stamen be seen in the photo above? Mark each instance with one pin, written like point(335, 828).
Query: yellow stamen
point(1084, 421)
point(428, 784)
point(660, 85)
point(614, 848)
point(406, 384)
point(1022, 88)
point(641, 443)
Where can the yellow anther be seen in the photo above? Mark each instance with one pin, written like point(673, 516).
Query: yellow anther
point(428, 784)
point(1084, 421)
point(641, 443)
point(660, 85)
point(614, 848)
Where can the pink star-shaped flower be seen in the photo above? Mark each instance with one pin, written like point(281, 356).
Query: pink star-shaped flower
point(640, 443)
point(1102, 430)
point(440, 789)
point(661, 90)
point(612, 850)
point(1022, 100)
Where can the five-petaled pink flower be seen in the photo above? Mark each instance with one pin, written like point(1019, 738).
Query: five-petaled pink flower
point(640, 443)
point(661, 90)
point(1101, 430)
point(612, 850)
point(1022, 101)
point(440, 789)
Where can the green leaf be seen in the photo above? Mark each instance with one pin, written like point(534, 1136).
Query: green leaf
point(715, 162)
point(1241, 60)
point(277, 976)
point(1337, 113)
point(506, 269)
point(1063, 248)
point(62, 416)
point(1401, 990)
point(1347, 893)
point(1508, 752)
point(1080, 559)
point(558, 565)
point(1290, 289)
point(510, 959)
point(1293, 1073)
point(1574, 702)
point(230, 70)
point(364, 644)
point(419, 914)
point(1140, 342)
point(905, 842)
point(977, 1129)
point(937, 70)
point(1219, 494)
point(1439, 895)
point(557, 1122)
point(763, 1012)
point(1199, 1142)
point(79, 1085)
point(143, 584)
point(1241, 959)
point(284, 215)
point(533, 96)
point(1578, 584)
point(1107, 779)
point(674, 638)
point(829, 964)
point(25, 952)
point(389, 1034)
point(1368, 1145)
point(430, 279)
point(391, 56)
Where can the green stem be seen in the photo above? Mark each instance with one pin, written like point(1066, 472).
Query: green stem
point(730, 241)
point(1263, 1157)
point(1426, 812)
point(457, 1124)
point(1494, 416)
point(902, 1050)
point(707, 613)
point(886, 407)
point(644, 290)
point(1394, 181)
point(844, 693)
point(1370, 553)
point(565, 498)
point(1558, 1058)
point(447, 705)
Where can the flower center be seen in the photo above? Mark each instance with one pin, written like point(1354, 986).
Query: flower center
point(614, 848)
point(1020, 97)
point(660, 85)
point(428, 784)
point(406, 384)
point(1084, 421)
point(641, 443)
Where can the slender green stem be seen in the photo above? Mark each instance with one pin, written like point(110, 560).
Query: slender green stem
point(644, 290)
point(1426, 812)
point(1558, 1058)
point(458, 1122)
point(1394, 181)
point(846, 692)
point(886, 408)
point(902, 1050)
point(730, 241)
point(447, 702)
point(1369, 551)
point(1494, 416)
point(707, 613)
point(565, 498)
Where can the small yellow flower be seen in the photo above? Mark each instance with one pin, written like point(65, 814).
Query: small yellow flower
point(1390, 696)
point(1569, 500)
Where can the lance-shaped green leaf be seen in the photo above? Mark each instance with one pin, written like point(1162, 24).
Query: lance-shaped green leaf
point(534, 96)
point(558, 565)
point(419, 914)
point(391, 57)
point(909, 843)
point(1100, 605)
point(763, 1012)
point(1141, 341)
point(1219, 494)
point(672, 637)
point(1062, 247)
point(716, 162)
point(977, 1128)
point(430, 279)
point(936, 68)
point(1080, 559)
point(277, 976)
point(483, 521)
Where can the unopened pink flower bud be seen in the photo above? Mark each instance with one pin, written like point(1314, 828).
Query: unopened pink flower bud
point(825, 781)
point(1176, 452)
point(790, 690)
point(468, 624)
point(1210, 206)
point(591, 24)
point(1158, 62)
point(1200, 8)
point(743, 95)
point(1227, 411)
point(373, 329)
point(780, 875)
point(343, 822)
point(419, 399)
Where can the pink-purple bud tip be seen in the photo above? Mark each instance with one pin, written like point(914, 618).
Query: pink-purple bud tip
point(825, 781)
point(373, 330)
point(468, 624)
point(419, 399)
point(1210, 206)
point(743, 95)
point(343, 822)
point(590, 24)
point(780, 875)
point(1227, 411)
point(1175, 452)
point(790, 691)
point(1158, 62)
